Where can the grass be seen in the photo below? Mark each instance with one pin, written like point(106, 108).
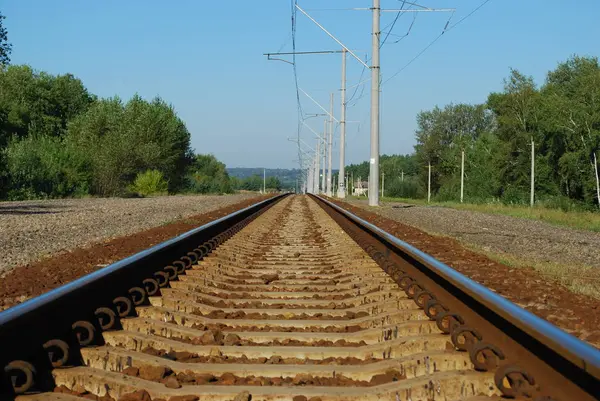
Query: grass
point(573, 219)
point(580, 279)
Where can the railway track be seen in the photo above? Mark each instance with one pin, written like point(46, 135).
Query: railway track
point(292, 299)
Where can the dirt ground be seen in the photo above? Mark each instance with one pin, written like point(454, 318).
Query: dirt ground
point(37, 277)
point(574, 313)
point(32, 230)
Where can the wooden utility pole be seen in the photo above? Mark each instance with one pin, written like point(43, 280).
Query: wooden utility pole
point(429, 184)
point(532, 195)
point(597, 179)
point(462, 177)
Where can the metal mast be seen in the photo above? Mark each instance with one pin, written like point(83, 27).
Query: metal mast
point(329, 145)
point(324, 150)
point(317, 167)
point(341, 193)
point(375, 83)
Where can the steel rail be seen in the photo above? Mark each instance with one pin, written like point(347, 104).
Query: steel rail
point(580, 354)
point(27, 326)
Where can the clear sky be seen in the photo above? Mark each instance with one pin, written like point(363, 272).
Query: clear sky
point(205, 57)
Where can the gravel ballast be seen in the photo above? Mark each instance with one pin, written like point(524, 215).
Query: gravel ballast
point(32, 230)
point(529, 240)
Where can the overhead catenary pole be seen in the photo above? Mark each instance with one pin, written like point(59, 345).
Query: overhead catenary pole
point(310, 177)
point(341, 193)
point(382, 184)
point(324, 152)
point(317, 167)
point(373, 179)
point(264, 180)
point(375, 86)
point(329, 145)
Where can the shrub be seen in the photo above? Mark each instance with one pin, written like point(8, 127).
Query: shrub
point(122, 140)
point(150, 182)
point(515, 196)
point(410, 188)
point(43, 167)
point(208, 175)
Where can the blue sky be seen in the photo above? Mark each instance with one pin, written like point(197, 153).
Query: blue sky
point(205, 57)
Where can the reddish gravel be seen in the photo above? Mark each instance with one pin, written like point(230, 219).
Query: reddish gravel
point(36, 278)
point(574, 313)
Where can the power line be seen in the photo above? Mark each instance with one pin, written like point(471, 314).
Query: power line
point(362, 73)
point(388, 33)
point(446, 29)
point(408, 31)
point(298, 103)
point(393, 24)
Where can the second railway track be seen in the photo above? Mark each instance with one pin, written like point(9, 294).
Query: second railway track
point(298, 302)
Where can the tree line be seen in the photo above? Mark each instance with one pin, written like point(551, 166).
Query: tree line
point(58, 140)
point(560, 119)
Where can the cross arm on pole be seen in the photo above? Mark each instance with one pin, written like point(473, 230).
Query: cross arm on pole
point(300, 141)
point(331, 36)
point(321, 107)
point(276, 59)
point(425, 10)
point(301, 53)
point(312, 130)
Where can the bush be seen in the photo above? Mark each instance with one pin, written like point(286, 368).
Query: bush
point(150, 182)
point(563, 203)
point(43, 167)
point(208, 175)
point(121, 141)
point(515, 196)
point(410, 188)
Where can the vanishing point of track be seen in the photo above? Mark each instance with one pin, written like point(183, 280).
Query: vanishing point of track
point(294, 300)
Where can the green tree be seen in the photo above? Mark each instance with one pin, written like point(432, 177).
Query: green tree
point(273, 183)
point(37, 103)
point(517, 111)
point(252, 183)
point(44, 167)
point(572, 103)
point(5, 47)
point(208, 175)
point(128, 139)
point(442, 135)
